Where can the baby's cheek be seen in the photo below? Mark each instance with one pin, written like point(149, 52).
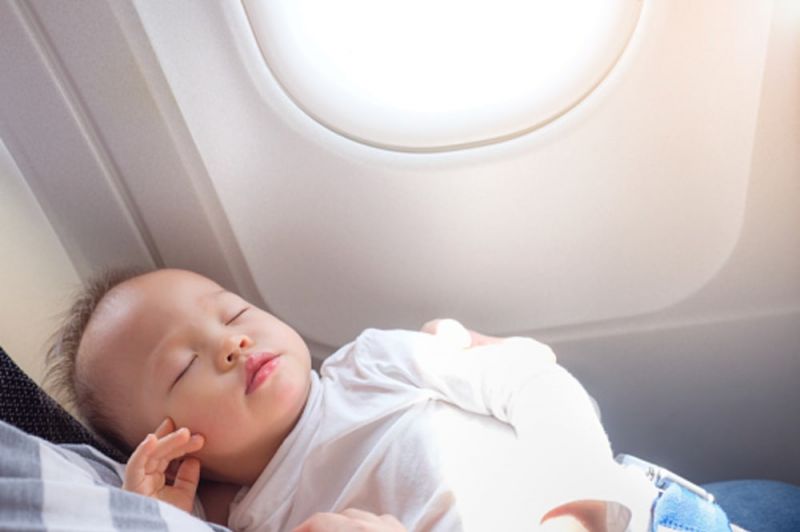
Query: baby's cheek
point(203, 414)
point(289, 393)
point(228, 420)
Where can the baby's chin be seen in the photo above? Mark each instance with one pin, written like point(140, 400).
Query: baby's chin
point(232, 469)
point(292, 400)
point(209, 474)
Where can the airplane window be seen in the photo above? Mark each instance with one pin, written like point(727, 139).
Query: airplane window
point(426, 75)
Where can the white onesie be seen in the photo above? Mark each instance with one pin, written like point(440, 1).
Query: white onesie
point(443, 438)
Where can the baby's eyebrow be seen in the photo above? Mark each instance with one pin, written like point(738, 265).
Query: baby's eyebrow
point(210, 300)
point(223, 293)
point(219, 293)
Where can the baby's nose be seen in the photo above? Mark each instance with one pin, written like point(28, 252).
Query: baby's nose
point(234, 348)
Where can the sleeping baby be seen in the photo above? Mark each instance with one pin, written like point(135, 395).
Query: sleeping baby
point(444, 428)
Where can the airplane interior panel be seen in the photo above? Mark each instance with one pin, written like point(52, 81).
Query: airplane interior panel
point(632, 201)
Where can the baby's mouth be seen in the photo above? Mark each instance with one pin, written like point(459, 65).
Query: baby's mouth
point(258, 367)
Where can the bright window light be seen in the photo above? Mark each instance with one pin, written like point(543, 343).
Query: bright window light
point(439, 74)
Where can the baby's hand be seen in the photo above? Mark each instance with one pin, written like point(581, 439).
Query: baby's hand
point(146, 470)
point(456, 333)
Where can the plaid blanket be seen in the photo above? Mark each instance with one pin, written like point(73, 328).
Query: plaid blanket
point(44, 486)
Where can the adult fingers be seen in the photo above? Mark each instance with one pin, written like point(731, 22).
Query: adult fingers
point(383, 523)
point(363, 515)
point(393, 521)
point(323, 522)
point(350, 520)
point(388, 523)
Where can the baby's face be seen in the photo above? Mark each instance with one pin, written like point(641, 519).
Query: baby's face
point(174, 343)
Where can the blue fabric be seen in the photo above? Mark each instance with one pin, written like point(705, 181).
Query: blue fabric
point(759, 505)
point(680, 509)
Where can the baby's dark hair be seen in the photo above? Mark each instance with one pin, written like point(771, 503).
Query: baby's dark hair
point(61, 377)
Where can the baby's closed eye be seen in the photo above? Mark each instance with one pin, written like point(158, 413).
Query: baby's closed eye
point(237, 316)
point(185, 369)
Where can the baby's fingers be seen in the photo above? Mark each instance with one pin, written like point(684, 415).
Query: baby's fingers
point(192, 445)
point(188, 476)
point(165, 428)
point(182, 491)
point(136, 468)
point(177, 444)
point(142, 453)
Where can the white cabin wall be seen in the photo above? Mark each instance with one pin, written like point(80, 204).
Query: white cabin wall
point(36, 275)
point(708, 387)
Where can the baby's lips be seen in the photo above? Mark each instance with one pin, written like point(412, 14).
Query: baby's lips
point(253, 363)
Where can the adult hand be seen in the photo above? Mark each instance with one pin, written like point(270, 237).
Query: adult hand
point(350, 520)
point(146, 470)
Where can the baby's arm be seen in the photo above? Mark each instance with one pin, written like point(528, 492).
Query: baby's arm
point(518, 381)
point(146, 470)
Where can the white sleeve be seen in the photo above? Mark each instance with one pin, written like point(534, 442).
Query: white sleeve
point(517, 380)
